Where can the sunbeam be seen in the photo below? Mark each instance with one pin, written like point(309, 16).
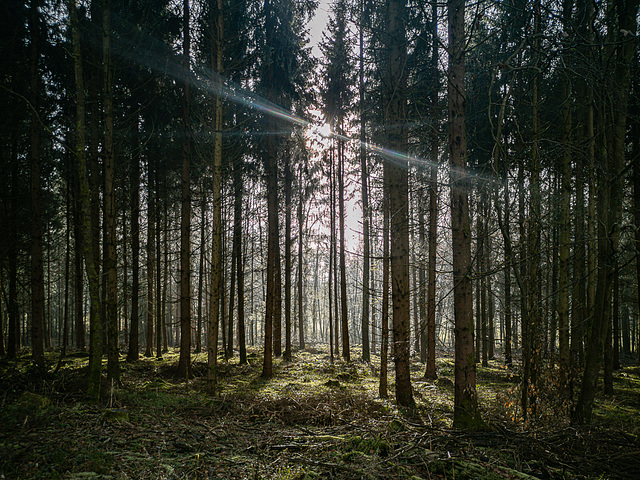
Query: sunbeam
point(205, 79)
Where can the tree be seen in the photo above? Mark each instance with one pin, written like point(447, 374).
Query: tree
point(466, 414)
point(110, 261)
point(216, 63)
point(366, 267)
point(134, 347)
point(85, 220)
point(621, 18)
point(430, 371)
point(397, 178)
point(384, 321)
point(288, 184)
point(37, 270)
point(184, 365)
point(237, 248)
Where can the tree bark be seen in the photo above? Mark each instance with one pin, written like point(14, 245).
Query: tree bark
point(397, 175)
point(384, 340)
point(430, 371)
point(237, 247)
point(466, 414)
point(301, 323)
point(110, 260)
point(184, 364)
point(134, 343)
point(37, 261)
point(288, 181)
point(85, 203)
point(151, 256)
point(344, 321)
point(564, 269)
point(366, 267)
point(216, 236)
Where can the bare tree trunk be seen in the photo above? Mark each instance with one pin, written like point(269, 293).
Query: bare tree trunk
point(508, 253)
point(216, 237)
point(397, 175)
point(301, 265)
point(237, 247)
point(79, 271)
point(110, 260)
point(203, 210)
point(37, 261)
point(565, 222)
point(346, 352)
point(466, 414)
point(84, 194)
point(288, 181)
point(151, 256)
point(384, 340)
point(430, 371)
point(13, 334)
point(184, 364)
point(366, 267)
point(132, 354)
point(532, 341)
point(160, 292)
point(616, 321)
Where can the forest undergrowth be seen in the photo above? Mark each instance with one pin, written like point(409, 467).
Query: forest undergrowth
point(314, 419)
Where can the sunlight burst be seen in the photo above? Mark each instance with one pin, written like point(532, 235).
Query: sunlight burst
point(324, 130)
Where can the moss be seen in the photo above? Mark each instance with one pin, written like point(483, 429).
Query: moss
point(116, 415)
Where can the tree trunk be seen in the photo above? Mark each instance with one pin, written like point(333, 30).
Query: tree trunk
point(13, 334)
point(272, 252)
point(160, 292)
point(110, 261)
point(384, 340)
point(203, 249)
point(344, 322)
point(481, 314)
point(330, 269)
point(430, 371)
point(532, 340)
point(288, 181)
point(79, 269)
point(134, 346)
point(151, 256)
point(301, 265)
point(184, 364)
point(508, 253)
point(564, 269)
point(397, 175)
point(85, 204)
point(37, 261)
point(216, 236)
point(366, 267)
point(616, 320)
point(237, 247)
point(466, 414)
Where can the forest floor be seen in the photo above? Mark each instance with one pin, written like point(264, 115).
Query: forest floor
point(314, 419)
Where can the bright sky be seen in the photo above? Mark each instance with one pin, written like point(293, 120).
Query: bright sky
point(318, 25)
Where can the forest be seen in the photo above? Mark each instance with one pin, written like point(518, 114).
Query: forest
point(406, 247)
